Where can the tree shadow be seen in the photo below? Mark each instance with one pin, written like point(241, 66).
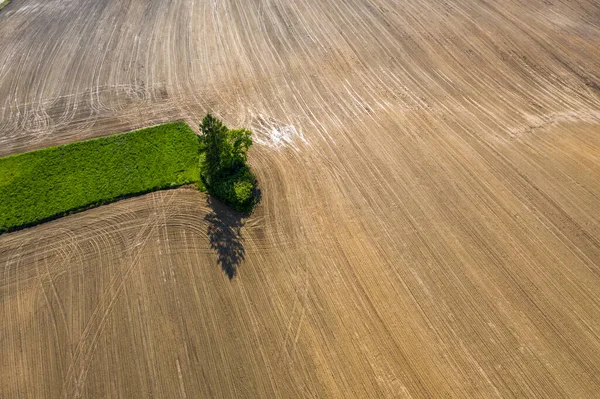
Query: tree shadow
point(224, 233)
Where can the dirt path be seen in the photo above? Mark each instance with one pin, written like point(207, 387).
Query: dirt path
point(430, 220)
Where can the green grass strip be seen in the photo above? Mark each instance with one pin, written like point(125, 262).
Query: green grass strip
point(52, 182)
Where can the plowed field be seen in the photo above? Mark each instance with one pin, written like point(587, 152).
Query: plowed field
point(430, 214)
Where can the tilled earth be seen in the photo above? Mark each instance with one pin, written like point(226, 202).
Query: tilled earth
point(430, 215)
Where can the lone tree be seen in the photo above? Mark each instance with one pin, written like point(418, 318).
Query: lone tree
point(224, 169)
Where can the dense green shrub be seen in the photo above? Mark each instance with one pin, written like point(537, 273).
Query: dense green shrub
point(44, 184)
point(243, 191)
point(237, 189)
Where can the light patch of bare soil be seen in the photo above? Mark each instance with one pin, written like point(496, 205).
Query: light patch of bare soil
point(429, 223)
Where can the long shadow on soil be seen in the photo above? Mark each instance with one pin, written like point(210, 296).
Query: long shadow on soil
point(224, 233)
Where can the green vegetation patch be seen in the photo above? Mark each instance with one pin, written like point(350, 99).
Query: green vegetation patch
point(52, 182)
point(4, 3)
point(237, 190)
point(224, 169)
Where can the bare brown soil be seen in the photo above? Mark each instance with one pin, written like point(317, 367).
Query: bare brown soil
point(430, 218)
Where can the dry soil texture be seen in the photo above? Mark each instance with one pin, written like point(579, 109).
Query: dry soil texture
point(430, 215)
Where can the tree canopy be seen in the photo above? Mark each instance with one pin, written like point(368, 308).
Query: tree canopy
point(225, 171)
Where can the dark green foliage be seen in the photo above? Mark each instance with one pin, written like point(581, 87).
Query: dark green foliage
point(237, 190)
point(213, 137)
point(224, 166)
point(52, 182)
point(235, 149)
